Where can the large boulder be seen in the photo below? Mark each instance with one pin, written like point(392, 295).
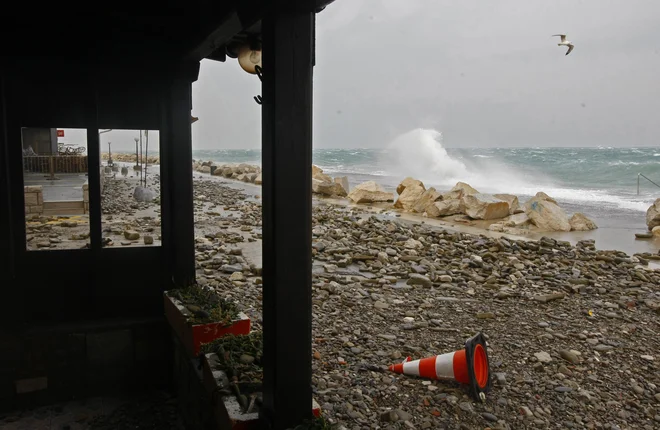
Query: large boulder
point(142, 194)
point(408, 182)
point(343, 181)
point(517, 220)
point(317, 173)
point(409, 196)
point(580, 222)
point(328, 188)
point(547, 215)
point(218, 170)
point(543, 196)
point(485, 206)
point(460, 189)
point(446, 208)
point(205, 169)
point(653, 215)
point(427, 199)
point(247, 168)
point(257, 180)
point(514, 204)
point(369, 192)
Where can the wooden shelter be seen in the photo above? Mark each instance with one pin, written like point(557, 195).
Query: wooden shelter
point(67, 329)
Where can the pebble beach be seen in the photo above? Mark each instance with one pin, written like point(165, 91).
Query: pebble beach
point(572, 331)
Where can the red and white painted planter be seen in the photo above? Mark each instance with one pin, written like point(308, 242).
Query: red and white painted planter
point(193, 336)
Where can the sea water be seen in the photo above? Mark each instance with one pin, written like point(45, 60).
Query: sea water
point(598, 181)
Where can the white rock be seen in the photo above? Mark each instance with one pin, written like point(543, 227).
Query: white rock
point(409, 197)
point(142, 194)
point(327, 188)
point(428, 198)
point(369, 192)
point(543, 357)
point(517, 220)
point(485, 206)
point(653, 215)
point(407, 183)
point(343, 181)
point(580, 222)
point(460, 190)
point(446, 208)
point(514, 205)
point(546, 215)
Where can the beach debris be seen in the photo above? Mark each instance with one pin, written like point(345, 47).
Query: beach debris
point(468, 366)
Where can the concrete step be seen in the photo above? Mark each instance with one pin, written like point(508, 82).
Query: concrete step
point(64, 207)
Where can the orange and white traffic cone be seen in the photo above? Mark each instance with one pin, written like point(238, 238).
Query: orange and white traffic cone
point(466, 366)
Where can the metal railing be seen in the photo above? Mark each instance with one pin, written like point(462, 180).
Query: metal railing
point(642, 175)
point(52, 164)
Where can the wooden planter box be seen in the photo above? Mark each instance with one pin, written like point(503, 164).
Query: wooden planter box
point(193, 336)
point(226, 409)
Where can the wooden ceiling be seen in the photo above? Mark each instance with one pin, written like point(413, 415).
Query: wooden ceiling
point(191, 30)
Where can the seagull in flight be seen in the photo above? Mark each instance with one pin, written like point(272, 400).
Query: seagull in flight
point(565, 42)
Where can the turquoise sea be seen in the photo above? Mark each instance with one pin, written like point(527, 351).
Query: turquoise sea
point(598, 181)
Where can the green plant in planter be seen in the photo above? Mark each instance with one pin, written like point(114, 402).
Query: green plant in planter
point(205, 305)
point(239, 356)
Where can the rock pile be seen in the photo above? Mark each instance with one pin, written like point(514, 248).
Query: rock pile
point(240, 172)
point(130, 158)
point(324, 185)
point(541, 211)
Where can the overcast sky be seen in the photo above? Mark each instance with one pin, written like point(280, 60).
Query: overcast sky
point(484, 73)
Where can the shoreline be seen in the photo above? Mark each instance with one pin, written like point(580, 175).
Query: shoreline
point(631, 245)
point(606, 237)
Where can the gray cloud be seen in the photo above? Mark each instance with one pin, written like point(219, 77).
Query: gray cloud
point(485, 73)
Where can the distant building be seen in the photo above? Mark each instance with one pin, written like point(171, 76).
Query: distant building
point(42, 140)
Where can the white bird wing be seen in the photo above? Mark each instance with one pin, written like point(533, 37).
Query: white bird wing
point(563, 37)
point(570, 48)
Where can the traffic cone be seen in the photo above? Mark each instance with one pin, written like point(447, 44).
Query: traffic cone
point(467, 366)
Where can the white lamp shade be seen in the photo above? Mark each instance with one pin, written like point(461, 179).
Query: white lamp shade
point(249, 59)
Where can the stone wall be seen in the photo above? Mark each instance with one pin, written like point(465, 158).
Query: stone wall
point(34, 199)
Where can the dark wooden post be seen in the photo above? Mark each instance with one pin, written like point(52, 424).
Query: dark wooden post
point(177, 182)
point(288, 46)
point(6, 234)
point(94, 176)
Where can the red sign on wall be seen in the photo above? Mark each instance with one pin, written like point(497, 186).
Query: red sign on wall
point(60, 133)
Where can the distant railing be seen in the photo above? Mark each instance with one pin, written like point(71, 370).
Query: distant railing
point(55, 164)
point(641, 175)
